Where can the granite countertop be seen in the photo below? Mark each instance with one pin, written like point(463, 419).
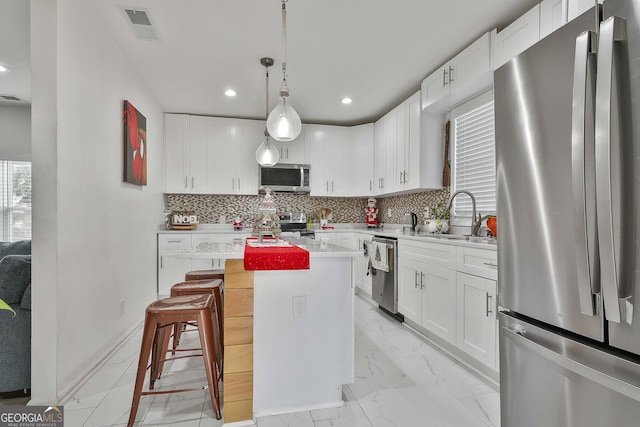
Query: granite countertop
point(235, 249)
point(390, 230)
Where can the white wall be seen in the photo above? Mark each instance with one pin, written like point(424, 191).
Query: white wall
point(15, 133)
point(94, 239)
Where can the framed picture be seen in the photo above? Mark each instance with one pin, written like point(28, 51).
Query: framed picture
point(135, 145)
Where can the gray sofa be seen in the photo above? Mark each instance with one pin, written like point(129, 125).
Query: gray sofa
point(15, 331)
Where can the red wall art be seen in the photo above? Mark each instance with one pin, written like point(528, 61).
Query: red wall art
point(135, 145)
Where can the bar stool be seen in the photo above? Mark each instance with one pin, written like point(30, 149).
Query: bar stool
point(200, 287)
point(205, 274)
point(159, 318)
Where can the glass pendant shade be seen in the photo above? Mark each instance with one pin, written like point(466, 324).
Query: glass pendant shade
point(284, 123)
point(267, 153)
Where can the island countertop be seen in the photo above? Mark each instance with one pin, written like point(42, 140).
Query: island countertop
point(235, 249)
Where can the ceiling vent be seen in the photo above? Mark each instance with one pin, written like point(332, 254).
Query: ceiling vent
point(10, 98)
point(140, 23)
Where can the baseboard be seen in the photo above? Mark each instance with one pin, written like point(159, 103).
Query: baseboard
point(65, 395)
point(492, 378)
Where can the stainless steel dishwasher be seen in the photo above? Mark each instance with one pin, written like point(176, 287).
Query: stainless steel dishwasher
point(385, 280)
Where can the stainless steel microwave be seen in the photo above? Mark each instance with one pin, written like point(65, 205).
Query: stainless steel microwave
point(285, 177)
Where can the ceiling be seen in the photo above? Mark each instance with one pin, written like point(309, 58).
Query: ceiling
point(377, 52)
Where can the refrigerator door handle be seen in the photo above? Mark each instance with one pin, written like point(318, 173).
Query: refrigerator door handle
point(518, 336)
point(582, 169)
point(607, 144)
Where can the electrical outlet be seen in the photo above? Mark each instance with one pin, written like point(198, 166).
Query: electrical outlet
point(122, 307)
point(299, 306)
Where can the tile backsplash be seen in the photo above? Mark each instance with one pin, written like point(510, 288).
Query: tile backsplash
point(209, 208)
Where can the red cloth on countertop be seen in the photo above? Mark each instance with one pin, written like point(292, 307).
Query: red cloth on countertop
point(290, 257)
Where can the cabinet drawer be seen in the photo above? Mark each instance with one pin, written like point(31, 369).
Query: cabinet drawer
point(439, 254)
point(479, 262)
point(174, 241)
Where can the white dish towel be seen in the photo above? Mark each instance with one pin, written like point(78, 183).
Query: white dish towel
point(379, 259)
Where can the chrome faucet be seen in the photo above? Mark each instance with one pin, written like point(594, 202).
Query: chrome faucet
point(475, 225)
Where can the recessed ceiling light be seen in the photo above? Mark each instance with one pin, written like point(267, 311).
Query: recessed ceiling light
point(346, 100)
point(3, 69)
point(230, 92)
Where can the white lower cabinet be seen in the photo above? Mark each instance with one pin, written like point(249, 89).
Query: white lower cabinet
point(427, 292)
point(171, 269)
point(451, 292)
point(476, 333)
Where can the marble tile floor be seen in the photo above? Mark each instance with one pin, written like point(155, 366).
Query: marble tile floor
point(400, 381)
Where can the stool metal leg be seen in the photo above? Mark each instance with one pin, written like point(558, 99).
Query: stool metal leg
point(145, 350)
point(205, 327)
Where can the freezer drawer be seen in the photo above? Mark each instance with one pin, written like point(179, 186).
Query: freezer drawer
point(554, 381)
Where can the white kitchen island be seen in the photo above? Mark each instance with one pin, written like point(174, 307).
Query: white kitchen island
point(301, 348)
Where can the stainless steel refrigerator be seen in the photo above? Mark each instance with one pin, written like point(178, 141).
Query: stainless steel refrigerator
point(567, 115)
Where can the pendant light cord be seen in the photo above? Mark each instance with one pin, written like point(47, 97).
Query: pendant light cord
point(267, 92)
point(284, 40)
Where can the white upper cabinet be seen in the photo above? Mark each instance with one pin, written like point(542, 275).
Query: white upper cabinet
point(200, 154)
point(328, 148)
point(553, 15)
point(379, 156)
point(521, 34)
point(293, 151)
point(578, 7)
point(235, 168)
point(188, 154)
point(385, 154)
point(464, 75)
point(360, 168)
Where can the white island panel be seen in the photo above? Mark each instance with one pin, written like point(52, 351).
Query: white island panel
point(302, 361)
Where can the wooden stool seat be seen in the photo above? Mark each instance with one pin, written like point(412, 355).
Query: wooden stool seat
point(159, 317)
point(205, 274)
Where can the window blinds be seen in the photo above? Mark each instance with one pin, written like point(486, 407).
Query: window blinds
point(15, 201)
point(474, 166)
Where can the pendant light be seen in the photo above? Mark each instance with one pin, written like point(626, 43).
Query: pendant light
point(267, 153)
point(284, 123)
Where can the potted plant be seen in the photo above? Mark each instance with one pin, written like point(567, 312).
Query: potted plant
point(437, 219)
point(5, 306)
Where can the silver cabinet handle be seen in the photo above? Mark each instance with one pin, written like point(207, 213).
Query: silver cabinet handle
point(490, 264)
point(370, 185)
point(161, 257)
point(519, 338)
point(185, 183)
point(415, 279)
point(233, 184)
point(444, 77)
point(421, 282)
point(450, 73)
point(332, 186)
point(582, 167)
point(238, 184)
point(609, 169)
point(488, 303)
point(193, 180)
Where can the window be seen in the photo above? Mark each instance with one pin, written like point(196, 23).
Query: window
point(15, 201)
point(474, 165)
